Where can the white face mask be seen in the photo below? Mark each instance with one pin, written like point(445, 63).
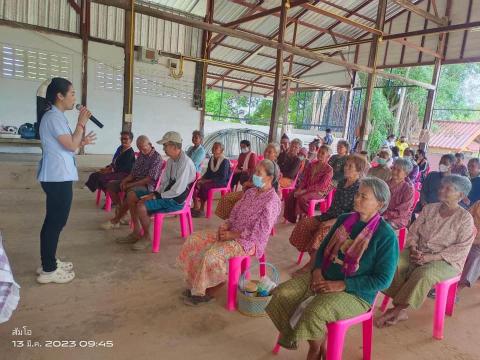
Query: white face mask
point(301, 158)
point(443, 168)
point(245, 150)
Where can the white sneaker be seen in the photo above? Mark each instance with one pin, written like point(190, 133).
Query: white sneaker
point(109, 225)
point(59, 276)
point(65, 265)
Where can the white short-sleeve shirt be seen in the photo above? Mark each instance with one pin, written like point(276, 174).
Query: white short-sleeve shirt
point(57, 163)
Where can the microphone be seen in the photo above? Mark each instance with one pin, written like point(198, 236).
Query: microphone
point(93, 118)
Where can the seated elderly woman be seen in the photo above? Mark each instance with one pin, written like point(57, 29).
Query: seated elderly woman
point(217, 176)
point(228, 201)
point(197, 152)
point(290, 163)
point(246, 164)
point(313, 148)
point(422, 162)
point(459, 167)
point(316, 184)
point(431, 185)
point(356, 260)
point(402, 193)
point(309, 232)
point(437, 246)
point(204, 255)
point(414, 173)
point(119, 168)
point(382, 170)
point(471, 270)
point(474, 174)
point(337, 161)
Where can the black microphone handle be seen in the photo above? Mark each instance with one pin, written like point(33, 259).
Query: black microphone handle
point(96, 122)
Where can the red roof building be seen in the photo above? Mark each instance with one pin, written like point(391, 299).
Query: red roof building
point(455, 136)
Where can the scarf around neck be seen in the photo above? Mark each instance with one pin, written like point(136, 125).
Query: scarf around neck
point(246, 161)
point(214, 168)
point(354, 247)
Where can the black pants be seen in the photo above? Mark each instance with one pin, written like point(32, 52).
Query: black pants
point(59, 201)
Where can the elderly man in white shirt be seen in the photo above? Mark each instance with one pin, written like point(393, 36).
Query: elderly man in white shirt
point(176, 183)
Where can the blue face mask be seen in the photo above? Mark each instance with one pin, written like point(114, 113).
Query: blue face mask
point(258, 181)
point(381, 161)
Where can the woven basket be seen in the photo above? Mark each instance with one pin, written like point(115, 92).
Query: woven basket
point(254, 305)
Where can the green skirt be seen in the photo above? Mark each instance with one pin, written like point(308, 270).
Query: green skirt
point(412, 283)
point(323, 309)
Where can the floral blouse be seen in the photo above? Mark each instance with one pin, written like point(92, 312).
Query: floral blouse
point(342, 201)
point(254, 217)
point(449, 237)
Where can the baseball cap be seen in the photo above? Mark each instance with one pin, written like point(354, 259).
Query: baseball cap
point(171, 136)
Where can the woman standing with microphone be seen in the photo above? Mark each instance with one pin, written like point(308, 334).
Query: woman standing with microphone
point(57, 172)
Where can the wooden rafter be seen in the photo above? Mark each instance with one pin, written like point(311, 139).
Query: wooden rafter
point(465, 33)
point(339, 7)
point(342, 19)
point(258, 48)
point(75, 6)
point(357, 8)
point(264, 13)
point(407, 4)
point(435, 31)
point(425, 25)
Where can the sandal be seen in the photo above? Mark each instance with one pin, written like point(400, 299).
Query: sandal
point(195, 300)
point(186, 293)
point(58, 276)
point(109, 225)
point(402, 316)
point(129, 239)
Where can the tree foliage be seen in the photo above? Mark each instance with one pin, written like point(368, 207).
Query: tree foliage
point(457, 94)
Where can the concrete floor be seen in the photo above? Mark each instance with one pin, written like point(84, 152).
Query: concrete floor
point(132, 299)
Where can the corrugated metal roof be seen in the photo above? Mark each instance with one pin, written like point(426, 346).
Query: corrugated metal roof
point(455, 135)
point(53, 14)
point(107, 23)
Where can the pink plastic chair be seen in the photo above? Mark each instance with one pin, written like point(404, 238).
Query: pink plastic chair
point(222, 191)
point(234, 162)
point(402, 233)
point(286, 191)
point(300, 257)
point(108, 199)
point(324, 204)
point(185, 216)
point(236, 266)
point(445, 293)
point(337, 330)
